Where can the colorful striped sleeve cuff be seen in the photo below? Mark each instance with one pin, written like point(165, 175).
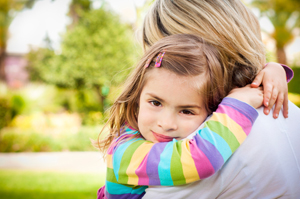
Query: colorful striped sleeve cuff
point(140, 162)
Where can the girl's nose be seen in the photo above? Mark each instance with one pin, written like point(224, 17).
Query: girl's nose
point(167, 121)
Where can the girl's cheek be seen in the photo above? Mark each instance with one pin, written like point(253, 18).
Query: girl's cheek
point(189, 126)
point(145, 114)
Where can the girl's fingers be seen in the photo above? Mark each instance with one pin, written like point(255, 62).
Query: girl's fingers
point(273, 99)
point(266, 110)
point(258, 80)
point(267, 94)
point(285, 105)
point(278, 105)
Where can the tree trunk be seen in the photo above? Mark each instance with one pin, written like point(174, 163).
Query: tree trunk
point(74, 16)
point(101, 97)
point(281, 56)
point(2, 64)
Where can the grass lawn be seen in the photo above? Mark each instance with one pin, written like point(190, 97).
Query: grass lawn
point(45, 185)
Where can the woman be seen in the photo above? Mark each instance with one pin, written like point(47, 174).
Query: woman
point(270, 169)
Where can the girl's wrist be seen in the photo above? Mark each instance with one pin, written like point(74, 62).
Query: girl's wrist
point(288, 71)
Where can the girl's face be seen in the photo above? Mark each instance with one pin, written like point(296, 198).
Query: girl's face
point(170, 106)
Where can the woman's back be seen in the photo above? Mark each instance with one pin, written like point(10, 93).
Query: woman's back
point(267, 165)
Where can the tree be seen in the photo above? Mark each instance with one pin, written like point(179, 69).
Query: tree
point(77, 6)
point(93, 55)
point(7, 8)
point(285, 17)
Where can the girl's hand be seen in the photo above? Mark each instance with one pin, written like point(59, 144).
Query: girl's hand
point(274, 82)
point(251, 96)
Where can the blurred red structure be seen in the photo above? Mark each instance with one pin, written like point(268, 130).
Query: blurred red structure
point(16, 74)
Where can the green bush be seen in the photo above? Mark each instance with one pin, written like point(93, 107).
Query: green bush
point(17, 104)
point(92, 118)
point(10, 106)
point(294, 85)
point(20, 140)
point(46, 99)
point(5, 112)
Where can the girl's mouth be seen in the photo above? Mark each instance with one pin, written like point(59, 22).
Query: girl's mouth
point(162, 138)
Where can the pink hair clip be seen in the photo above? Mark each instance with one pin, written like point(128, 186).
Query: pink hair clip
point(159, 59)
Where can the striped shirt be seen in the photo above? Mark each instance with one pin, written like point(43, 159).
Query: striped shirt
point(134, 164)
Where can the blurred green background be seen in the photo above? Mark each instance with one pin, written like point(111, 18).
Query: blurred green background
point(55, 99)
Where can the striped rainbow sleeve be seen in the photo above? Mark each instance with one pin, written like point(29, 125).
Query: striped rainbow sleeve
point(137, 162)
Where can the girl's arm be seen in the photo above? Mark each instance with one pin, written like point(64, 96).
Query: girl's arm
point(274, 78)
point(140, 162)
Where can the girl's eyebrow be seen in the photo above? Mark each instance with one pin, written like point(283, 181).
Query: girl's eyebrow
point(181, 106)
point(190, 106)
point(154, 96)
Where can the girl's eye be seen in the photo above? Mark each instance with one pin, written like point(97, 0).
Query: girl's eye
point(187, 112)
point(155, 103)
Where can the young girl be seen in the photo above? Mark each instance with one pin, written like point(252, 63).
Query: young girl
point(234, 30)
point(175, 86)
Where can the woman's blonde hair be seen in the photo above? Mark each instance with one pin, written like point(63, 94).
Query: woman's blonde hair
point(226, 24)
point(185, 55)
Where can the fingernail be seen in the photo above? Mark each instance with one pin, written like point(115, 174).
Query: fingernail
point(267, 103)
point(276, 115)
point(267, 111)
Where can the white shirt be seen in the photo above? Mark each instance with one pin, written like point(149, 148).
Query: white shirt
point(266, 165)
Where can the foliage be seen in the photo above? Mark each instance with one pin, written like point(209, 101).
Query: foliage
point(48, 185)
point(37, 103)
point(38, 59)
point(270, 56)
point(76, 6)
point(28, 140)
point(34, 98)
point(5, 112)
point(285, 17)
point(96, 54)
point(17, 104)
point(295, 82)
point(295, 98)
point(92, 118)
point(10, 106)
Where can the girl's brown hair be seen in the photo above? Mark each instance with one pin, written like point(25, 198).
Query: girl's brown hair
point(228, 25)
point(185, 55)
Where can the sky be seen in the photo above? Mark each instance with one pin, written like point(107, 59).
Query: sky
point(29, 27)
